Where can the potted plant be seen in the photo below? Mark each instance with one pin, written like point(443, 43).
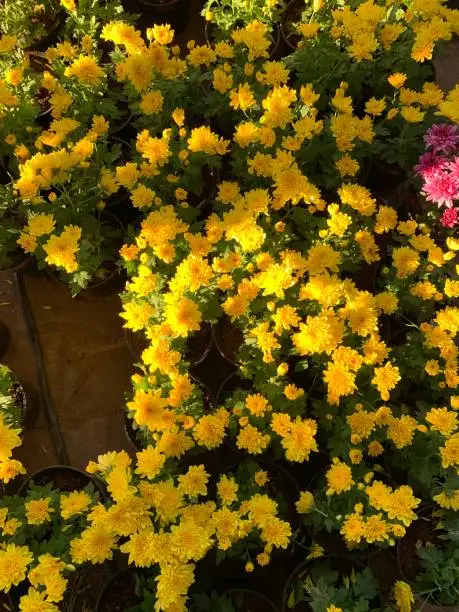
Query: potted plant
point(71, 233)
point(331, 583)
point(13, 410)
point(35, 25)
point(234, 600)
point(225, 16)
point(34, 524)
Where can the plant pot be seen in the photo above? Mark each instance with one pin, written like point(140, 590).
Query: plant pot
point(119, 594)
point(131, 433)
point(420, 531)
point(246, 600)
point(292, 14)
point(63, 477)
point(231, 383)
point(425, 606)
point(198, 344)
point(276, 37)
point(5, 338)
point(228, 339)
point(23, 263)
point(85, 586)
point(174, 12)
point(343, 564)
point(112, 281)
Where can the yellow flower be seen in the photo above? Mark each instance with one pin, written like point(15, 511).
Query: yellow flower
point(9, 469)
point(194, 482)
point(448, 500)
point(339, 478)
point(375, 107)
point(406, 261)
point(347, 166)
point(353, 529)
point(38, 511)
point(412, 114)
point(306, 502)
point(442, 420)
point(182, 314)
point(162, 34)
point(151, 102)
point(41, 224)
point(386, 379)
point(242, 98)
point(69, 5)
point(397, 79)
point(252, 440)
point(308, 30)
point(74, 504)
point(403, 596)
point(276, 532)
point(86, 69)
point(13, 565)
point(450, 452)
point(150, 462)
point(227, 489)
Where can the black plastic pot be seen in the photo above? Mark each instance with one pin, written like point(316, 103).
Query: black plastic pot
point(174, 12)
point(5, 338)
point(110, 283)
point(199, 344)
point(302, 569)
point(293, 10)
point(228, 339)
point(63, 477)
point(246, 600)
point(23, 263)
point(119, 594)
point(129, 430)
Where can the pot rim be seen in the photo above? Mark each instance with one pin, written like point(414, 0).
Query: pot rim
point(59, 466)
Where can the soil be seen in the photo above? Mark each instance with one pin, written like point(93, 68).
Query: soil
point(119, 595)
point(63, 478)
point(417, 535)
point(229, 339)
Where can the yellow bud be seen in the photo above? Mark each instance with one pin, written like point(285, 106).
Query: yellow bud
point(249, 567)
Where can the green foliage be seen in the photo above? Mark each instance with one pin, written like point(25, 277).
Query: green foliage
point(228, 15)
point(11, 407)
point(321, 586)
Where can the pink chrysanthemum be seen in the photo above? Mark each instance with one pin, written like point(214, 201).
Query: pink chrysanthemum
point(441, 188)
point(453, 167)
point(429, 163)
point(442, 137)
point(450, 217)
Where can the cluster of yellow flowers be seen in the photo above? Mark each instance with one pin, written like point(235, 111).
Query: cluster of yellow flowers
point(317, 272)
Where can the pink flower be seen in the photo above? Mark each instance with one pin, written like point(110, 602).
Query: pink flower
point(442, 137)
point(453, 167)
point(450, 217)
point(441, 188)
point(429, 163)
